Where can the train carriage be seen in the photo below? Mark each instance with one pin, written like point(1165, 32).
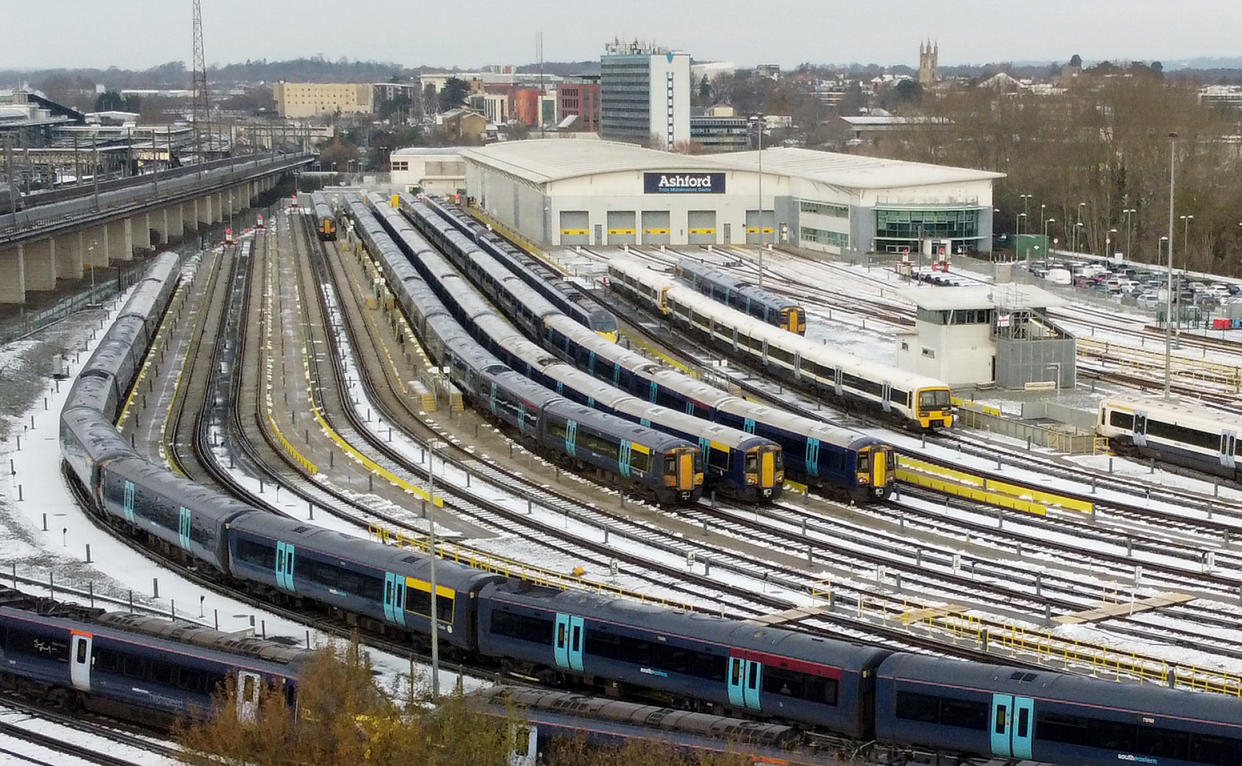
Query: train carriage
point(95, 390)
point(86, 440)
point(389, 585)
point(1019, 714)
point(913, 400)
point(119, 354)
point(188, 518)
point(738, 666)
point(1178, 433)
point(325, 221)
point(74, 661)
point(745, 297)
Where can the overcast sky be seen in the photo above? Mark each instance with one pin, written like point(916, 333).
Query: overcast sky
point(143, 33)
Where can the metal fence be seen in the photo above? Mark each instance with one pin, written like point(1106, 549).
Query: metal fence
point(1064, 439)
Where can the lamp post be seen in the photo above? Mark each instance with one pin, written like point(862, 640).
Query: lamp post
point(1186, 219)
point(1026, 204)
point(1168, 316)
point(757, 121)
point(1016, 230)
point(1129, 212)
point(1048, 250)
point(431, 551)
point(1078, 224)
point(1108, 243)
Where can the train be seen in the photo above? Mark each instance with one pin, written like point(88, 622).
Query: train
point(915, 401)
point(835, 459)
point(737, 464)
point(1175, 432)
point(530, 269)
point(122, 665)
point(750, 299)
point(693, 660)
point(325, 220)
point(631, 456)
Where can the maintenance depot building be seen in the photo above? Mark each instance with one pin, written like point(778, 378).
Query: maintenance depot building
point(560, 192)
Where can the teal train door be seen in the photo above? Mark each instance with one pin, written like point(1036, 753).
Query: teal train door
point(394, 598)
point(285, 553)
point(568, 642)
point(1012, 725)
point(745, 680)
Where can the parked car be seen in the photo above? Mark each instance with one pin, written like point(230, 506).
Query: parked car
point(1148, 300)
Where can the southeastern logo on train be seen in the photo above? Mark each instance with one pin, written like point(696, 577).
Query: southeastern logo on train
point(683, 183)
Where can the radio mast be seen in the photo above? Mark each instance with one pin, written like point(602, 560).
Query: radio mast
point(200, 111)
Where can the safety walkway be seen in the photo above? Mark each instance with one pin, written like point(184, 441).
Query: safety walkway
point(1123, 608)
point(951, 481)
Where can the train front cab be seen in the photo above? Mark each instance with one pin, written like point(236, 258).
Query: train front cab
point(764, 472)
point(682, 476)
point(793, 319)
point(327, 228)
point(934, 407)
point(875, 471)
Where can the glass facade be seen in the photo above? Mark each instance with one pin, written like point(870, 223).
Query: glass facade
point(824, 208)
point(910, 225)
point(807, 234)
point(625, 90)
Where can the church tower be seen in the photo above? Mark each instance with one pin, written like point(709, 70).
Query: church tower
point(929, 59)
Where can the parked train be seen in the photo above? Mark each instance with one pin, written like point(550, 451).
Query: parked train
point(531, 270)
point(736, 464)
point(1177, 433)
point(100, 664)
point(913, 400)
point(753, 300)
point(837, 459)
point(697, 660)
point(325, 221)
point(633, 456)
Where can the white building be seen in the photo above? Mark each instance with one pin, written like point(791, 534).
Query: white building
point(608, 193)
point(645, 95)
point(433, 169)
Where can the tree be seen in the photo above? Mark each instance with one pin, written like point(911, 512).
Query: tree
point(453, 94)
point(344, 718)
point(1076, 61)
point(110, 101)
point(705, 91)
point(337, 155)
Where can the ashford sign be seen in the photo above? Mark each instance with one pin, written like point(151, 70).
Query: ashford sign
point(684, 183)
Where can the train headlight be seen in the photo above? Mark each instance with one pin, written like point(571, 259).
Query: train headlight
point(751, 479)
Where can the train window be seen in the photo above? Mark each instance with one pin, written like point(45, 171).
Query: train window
point(133, 666)
point(1112, 734)
point(900, 397)
point(1024, 723)
point(640, 461)
point(35, 645)
point(934, 399)
point(779, 460)
point(1208, 748)
point(718, 459)
point(81, 653)
point(752, 462)
point(1168, 743)
point(556, 427)
point(257, 553)
point(799, 685)
point(735, 671)
point(524, 627)
point(1119, 419)
point(781, 354)
point(419, 602)
point(190, 680)
point(1183, 434)
point(105, 661)
point(918, 707)
point(670, 465)
point(968, 714)
point(162, 673)
point(1001, 720)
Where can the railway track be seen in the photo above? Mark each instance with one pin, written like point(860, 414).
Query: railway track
point(92, 733)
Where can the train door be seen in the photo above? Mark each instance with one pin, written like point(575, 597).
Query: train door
point(80, 669)
point(1140, 429)
point(248, 685)
point(285, 553)
point(836, 381)
point(879, 468)
point(623, 459)
point(129, 501)
point(812, 456)
point(767, 468)
point(685, 471)
point(1012, 725)
point(183, 528)
point(745, 678)
point(394, 598)
point(569, 639)
point(1228, 449)
point(571, 438)
point(886, 397)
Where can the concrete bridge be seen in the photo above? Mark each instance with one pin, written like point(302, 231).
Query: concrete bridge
point(61, 240)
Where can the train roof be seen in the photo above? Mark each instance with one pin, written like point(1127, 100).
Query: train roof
point(1044, 684)
point(9, 616)
point(163, 266)
point(340, 545)
point(178, 490)
point(696, 625)
point(93, 431)
point(92, 391)
point(185, 632)
point(517, 384)
point(585, 416)
point(1181, 412)
point(790, 421)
